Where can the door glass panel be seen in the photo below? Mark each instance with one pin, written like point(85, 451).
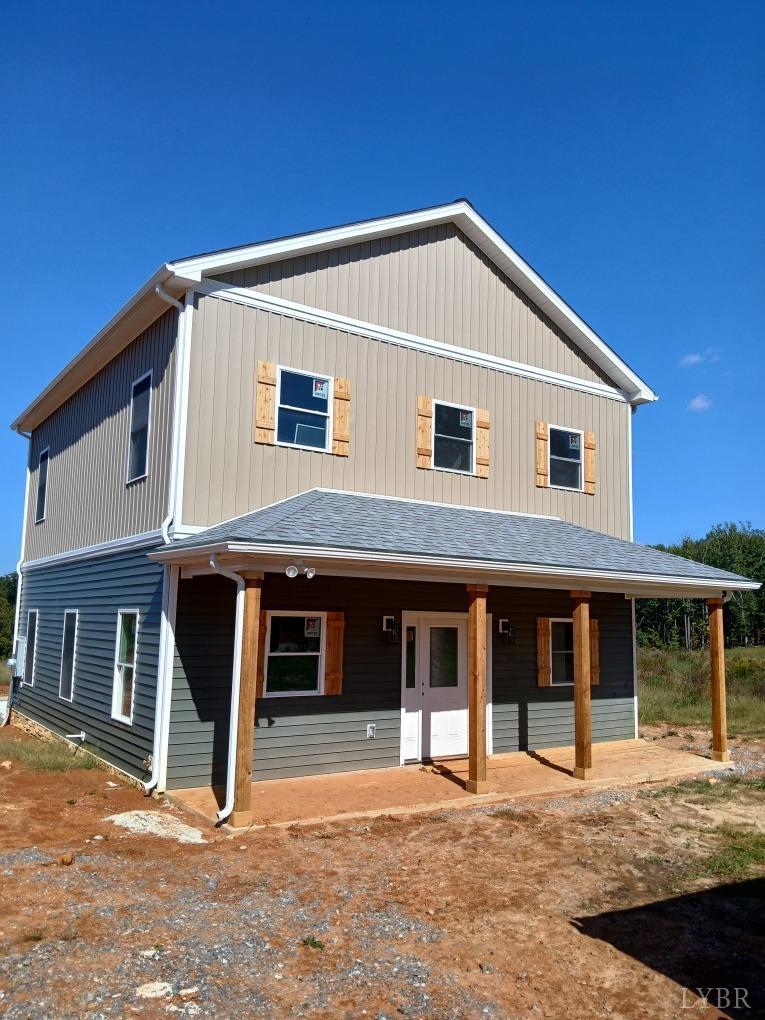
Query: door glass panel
point(444, 670)
point(411, 656)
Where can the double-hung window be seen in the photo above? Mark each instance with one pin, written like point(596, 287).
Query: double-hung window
point(303, 411)
point(68, 652)
point(453, 437)
point(566, 458)
point(140, 411)
point(30, 648)
point(42, 485)
point(562, 651)
point(295, 654)
point(123, 692)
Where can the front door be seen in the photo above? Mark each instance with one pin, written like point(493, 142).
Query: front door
point(435, 697)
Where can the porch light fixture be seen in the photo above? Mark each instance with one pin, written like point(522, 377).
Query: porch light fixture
point(391, 630)
point(292, 571)
point(506, 631)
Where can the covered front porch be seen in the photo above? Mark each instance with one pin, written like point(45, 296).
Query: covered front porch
point(515, 777)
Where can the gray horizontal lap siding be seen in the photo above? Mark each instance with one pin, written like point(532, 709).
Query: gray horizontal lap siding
point(97, 588)
point(310, 736)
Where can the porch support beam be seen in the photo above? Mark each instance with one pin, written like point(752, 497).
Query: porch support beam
point(582, 707)
point(476, 782)
point(717, 663)
point(242, 812)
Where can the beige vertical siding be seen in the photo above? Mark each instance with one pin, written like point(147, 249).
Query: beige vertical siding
point(227, 474)
point(88, 501)
point(432, 282)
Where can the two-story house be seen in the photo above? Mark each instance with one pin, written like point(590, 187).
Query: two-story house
point(342, 500)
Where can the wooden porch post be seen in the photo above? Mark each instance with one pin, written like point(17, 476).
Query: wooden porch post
point(582, 711)
point(476, 782)
point(242, 812)
point(717, 662)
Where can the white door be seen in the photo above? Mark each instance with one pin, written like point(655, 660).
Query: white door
point(435, 697)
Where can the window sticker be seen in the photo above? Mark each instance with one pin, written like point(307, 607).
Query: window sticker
point(321, 389)
point(313, 626)
point(573, 442)
point(466, 419)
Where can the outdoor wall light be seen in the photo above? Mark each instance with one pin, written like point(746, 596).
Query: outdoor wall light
point(506, 631)
point(294, 569)
point(391, 630)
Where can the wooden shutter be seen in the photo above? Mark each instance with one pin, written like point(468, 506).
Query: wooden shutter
point(261, 681)
point(265, 403)
point(482, 426)
point(333, 666)
point(594, 652)
point(424, 432)
point(543, 460)
point(544, 665)
point(589, 463)
point(341, 418)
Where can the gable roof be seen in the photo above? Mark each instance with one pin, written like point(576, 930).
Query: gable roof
point(175, 277)
point(342, 526)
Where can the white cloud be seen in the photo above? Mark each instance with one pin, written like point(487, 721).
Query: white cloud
point(691, 359)
point(700, 402)
point(699, 357)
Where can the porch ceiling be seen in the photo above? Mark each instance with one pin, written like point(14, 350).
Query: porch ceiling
point(352, 533)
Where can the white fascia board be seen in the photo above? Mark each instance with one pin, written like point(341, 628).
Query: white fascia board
point(89, 552)
point(474, 226)
point(525, 574)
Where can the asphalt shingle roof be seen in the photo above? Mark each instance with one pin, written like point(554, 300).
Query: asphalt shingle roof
point(348, 521)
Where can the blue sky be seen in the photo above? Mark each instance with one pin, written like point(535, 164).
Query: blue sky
point(619, 148)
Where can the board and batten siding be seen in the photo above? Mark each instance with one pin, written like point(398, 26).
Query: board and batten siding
point(97, 588)
point(433, 282)
point(88, 500)
point(227, 474)
point(311, 736)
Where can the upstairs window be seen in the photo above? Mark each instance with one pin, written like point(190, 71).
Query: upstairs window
point(68, 647)
point(140, 408)
point(42, 486)
point(566, 458)
point(453, 437)
point(295, 654)
point(304, 402)
point(562, 651)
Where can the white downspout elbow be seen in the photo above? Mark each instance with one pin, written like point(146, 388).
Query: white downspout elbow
point(236, 679)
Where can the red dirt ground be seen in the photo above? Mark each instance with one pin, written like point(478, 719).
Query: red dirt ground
point(598, 906)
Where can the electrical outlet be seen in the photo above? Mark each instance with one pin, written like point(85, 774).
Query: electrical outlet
point(371, 731)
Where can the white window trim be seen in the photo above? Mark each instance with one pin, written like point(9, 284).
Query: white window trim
point(322, 654)
point(146, 375)
point(559, 619)
point(459, 407)
point(117, 701)
point(30, 681)
point(327, 448)
point(39, 520)
point(67, 612)
point(580, 433)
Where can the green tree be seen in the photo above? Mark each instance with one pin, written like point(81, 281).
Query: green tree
point(8, 587)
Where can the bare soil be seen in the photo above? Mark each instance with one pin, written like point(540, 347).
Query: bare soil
point(597, 906)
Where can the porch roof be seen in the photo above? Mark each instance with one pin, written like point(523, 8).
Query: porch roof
point(333, 527)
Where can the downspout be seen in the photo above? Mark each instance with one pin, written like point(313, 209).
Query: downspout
point(19, 582)
point(162, 671)
point(236, 677)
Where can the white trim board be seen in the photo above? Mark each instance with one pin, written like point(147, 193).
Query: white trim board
point(90, 551)
point(371, 331)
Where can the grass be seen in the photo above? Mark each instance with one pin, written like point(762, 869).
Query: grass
point(45, 756)
point(674, 688)
point(742, 849)
point(700, 791)
point(312, 943)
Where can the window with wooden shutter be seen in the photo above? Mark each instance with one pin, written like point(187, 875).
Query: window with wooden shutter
point(333, 670)
point(544, 665)
point(341, 417)
point(482, 426)
point(542, 459)
point(424, 432)
point(594, 652)
point(589, 463)
point(265, 403)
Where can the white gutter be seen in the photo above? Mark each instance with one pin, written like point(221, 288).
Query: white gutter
point(236, 678)
point(162, 294)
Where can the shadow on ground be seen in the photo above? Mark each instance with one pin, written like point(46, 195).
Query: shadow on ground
point(713, 939)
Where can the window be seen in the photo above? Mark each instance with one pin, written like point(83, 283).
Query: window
point(42, 486)
point(68, 643)
point(303, 415)
point(31, 648)
point(453, 437)
point(565, 458)
point(124, 665)
point(295, 654)
point(140, 408)
point(562, 651)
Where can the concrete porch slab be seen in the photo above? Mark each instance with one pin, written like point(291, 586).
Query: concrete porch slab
point(313, 800)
